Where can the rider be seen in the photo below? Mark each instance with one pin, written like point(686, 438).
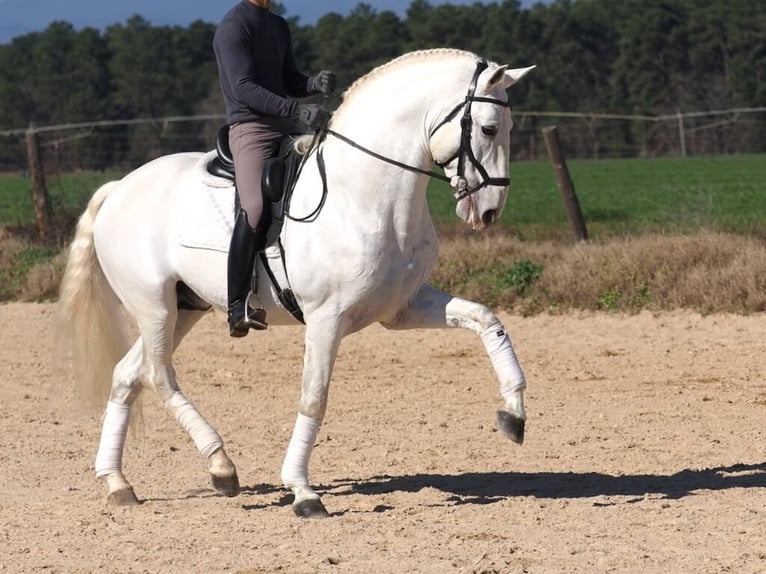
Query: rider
point(257, 72)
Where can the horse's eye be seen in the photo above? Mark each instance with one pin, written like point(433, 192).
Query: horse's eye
point(489, 131)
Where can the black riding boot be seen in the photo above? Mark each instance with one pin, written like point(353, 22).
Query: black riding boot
point(246, 242)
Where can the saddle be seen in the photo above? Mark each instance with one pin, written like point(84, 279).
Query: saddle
point(277, 182)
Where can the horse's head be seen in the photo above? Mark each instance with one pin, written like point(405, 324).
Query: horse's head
point(471, 143)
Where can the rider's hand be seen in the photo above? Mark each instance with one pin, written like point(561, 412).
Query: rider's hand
point(313, 116)
point(322, 83)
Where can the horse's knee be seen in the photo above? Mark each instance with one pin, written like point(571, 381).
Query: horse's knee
point(470, 315)
point(485, 317)
point(313, 407)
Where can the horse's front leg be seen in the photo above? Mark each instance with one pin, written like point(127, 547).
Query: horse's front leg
point(431, 308)
point(321, 348)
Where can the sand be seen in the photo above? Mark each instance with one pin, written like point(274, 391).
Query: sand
point(645, 452)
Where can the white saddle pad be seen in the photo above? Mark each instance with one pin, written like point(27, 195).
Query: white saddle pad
point(209, 214)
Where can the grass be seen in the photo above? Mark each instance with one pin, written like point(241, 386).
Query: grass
point(628, 196)
point(666, 234)
point(707, 271)
point(617, 196)
point(13, 275)
point(69, 193)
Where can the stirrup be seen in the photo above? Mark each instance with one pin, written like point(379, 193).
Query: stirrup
point(249, 318)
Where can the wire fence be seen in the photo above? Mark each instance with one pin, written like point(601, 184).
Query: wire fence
point(125, 144)
point(600, 136)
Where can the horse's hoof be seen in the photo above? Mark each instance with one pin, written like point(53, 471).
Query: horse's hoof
point(226, 485)
point(511, 425)
point(123, 497)
point(310, 508)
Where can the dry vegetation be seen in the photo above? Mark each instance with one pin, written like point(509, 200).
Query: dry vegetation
point(706, 272)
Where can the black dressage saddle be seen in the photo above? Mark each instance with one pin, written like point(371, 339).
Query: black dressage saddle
point(279, 173)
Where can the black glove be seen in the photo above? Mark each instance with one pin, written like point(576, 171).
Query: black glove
point(322, 83)
point(314, 116)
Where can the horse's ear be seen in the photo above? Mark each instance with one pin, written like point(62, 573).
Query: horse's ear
point(505, 78)
point(515, 74)
point(498, 76)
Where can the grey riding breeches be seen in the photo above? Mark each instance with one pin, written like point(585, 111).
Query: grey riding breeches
point(251, 145)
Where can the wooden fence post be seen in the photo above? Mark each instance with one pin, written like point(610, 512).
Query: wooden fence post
point(39, 191)
point(566, 186)
point(681, 132)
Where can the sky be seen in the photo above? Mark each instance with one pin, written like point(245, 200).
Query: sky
point(19, 17)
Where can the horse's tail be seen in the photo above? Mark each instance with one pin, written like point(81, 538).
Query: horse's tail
point(90, 323)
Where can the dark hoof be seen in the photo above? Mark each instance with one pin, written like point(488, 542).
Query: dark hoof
point(310, 508)
point(123, 497)
point(511, 425)
point(226, 485)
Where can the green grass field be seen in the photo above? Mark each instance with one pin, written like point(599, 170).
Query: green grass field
point(655, 227)
point(617, 196)
point(68, 193)
point(620, 196)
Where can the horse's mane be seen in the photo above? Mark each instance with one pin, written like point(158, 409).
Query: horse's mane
point(402, 60)
point(303, 144)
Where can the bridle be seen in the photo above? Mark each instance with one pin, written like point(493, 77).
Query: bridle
point(466, 125)
point(464, 151)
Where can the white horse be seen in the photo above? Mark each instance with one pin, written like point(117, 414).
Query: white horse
point(364, 256)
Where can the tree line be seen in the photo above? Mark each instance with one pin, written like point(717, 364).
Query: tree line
point(634, 57)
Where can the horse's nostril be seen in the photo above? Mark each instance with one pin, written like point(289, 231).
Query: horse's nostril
point(488, 216)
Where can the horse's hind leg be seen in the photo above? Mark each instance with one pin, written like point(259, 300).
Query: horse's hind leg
point(149, 361)
point(223, 473)
point(126, 387)
point(431, 308)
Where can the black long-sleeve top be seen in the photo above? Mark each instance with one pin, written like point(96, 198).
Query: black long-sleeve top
point(256, 66)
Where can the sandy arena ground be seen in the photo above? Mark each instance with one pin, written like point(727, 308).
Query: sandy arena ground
point(645, 452)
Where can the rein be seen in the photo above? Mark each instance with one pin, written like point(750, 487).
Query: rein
point(376, 155)
point(464, 150)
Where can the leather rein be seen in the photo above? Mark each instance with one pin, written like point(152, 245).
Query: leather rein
point(464, 151)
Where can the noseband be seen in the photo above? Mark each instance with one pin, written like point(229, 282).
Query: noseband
point(463, 151)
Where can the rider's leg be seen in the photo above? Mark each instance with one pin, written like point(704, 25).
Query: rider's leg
point(245, 244)
point(251, 145)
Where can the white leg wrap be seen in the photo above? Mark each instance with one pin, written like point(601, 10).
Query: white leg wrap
point(205, 437)
point(114, 429)
point(503, 357)
point(295, 468)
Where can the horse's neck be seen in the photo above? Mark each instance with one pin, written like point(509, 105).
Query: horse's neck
point(390, 116)
point(389, 112)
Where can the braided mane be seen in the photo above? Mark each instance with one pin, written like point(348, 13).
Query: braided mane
point(402, 60)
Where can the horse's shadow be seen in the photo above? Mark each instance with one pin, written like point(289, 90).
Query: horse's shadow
point(491, 487)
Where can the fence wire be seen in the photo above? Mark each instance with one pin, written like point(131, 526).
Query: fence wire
point(124, 145)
